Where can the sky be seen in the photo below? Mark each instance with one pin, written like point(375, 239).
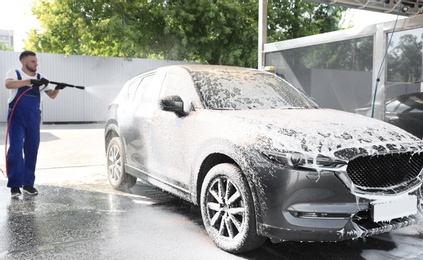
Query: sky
point(363, 17)
point(16, 15)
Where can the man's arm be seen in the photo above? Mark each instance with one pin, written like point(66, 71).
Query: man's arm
point(14, 83)
point(52, 93)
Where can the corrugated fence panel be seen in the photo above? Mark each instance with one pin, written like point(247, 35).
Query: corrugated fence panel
point(102, 77)
point(68, 106)
point(8, 60)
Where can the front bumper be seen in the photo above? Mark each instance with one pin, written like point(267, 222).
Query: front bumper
point(301, 205)
point(351, 230)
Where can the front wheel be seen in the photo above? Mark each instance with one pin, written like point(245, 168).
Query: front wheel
point(228, 211)
point(116, 174)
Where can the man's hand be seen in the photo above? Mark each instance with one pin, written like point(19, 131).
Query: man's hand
point(37, 83)
point(60, 86)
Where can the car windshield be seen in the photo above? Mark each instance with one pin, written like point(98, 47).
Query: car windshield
point(249, 89)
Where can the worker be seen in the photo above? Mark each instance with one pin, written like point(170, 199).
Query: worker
point(24, 118)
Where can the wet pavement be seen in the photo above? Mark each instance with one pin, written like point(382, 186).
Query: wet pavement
point(77, 215)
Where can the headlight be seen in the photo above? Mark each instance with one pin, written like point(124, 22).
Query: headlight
point(291, 159)
point(303, 160)
point(324, 161)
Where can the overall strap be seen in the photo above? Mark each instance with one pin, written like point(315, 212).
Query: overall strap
point(28, 91)
point(18, 74)
point(20, 77)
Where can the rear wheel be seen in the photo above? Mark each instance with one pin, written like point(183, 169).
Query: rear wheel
point(116, 174)
point(228, 211)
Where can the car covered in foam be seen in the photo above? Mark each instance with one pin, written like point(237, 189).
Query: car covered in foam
point(261, 158)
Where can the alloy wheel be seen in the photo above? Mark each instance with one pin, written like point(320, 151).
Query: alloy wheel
point(225, 206)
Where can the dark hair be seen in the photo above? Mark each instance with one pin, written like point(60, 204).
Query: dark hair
point(25, 54)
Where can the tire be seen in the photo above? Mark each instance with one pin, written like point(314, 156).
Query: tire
point(118, 178)
point(228, 211)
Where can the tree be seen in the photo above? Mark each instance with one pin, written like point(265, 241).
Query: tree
point(405, 59)
point(3, 47)
point(209, 31)
point(343, 55)
point(290, 19)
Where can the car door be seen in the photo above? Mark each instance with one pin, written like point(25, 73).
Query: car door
point(146, 107)
point(126, 110)
point(170, 142)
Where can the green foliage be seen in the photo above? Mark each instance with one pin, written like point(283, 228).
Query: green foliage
point(209, 31)
point(405, 59)
point(290, 19)
point(346, 55)
point(3, 47)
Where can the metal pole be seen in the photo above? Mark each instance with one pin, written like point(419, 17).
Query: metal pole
point(421, 75)
point(262, 32)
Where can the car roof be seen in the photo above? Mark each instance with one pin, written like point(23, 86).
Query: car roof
point(210, 68)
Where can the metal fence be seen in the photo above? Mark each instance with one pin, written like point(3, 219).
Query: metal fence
point(102, 77)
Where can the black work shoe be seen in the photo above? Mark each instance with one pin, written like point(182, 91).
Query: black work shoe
point(15, 192)
point(30, 190)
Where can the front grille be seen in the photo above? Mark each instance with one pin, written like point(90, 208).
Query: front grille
point(385, 171)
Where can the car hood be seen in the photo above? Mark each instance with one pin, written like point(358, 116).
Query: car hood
point(324, 131)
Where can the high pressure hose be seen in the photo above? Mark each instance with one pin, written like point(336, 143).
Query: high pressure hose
point(383, 61)
point(9, 119)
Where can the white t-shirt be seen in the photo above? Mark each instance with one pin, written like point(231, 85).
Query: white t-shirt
point(11, 74)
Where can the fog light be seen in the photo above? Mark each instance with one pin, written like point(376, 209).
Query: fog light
point(324, 215)
point(297, 159)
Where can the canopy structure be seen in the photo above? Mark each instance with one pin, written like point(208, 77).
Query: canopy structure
point(406, 7)
point(368, 67)
point(410, 8)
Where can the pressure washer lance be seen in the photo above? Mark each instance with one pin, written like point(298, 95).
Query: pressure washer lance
point(67, 85)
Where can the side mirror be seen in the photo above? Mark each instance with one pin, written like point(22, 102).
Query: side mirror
point(173, 104)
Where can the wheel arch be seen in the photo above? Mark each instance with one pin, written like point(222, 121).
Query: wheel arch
point(111, 131)
point(218, 158)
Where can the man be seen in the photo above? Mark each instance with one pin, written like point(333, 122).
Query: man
point(24, 117)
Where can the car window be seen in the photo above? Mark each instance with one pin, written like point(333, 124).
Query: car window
point(144, 89)
point(392, 106)
point(242, 90)
point(402, 108)
point(416, 104)
point(416, 110)
point(405, 104)
point(149, 88)
point(132, 88)
point(178, 82)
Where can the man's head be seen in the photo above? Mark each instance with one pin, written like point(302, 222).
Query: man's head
point(29, 61)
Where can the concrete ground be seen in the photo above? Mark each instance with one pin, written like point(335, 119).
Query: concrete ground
point(77, 215)
point(69, 156)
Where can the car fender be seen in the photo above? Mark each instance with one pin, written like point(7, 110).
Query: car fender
point(112, 127)
point(230, 150)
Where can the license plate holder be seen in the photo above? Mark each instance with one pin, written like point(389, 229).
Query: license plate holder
point(386, 210)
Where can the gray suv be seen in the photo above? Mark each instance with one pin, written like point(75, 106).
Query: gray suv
point(262, 159)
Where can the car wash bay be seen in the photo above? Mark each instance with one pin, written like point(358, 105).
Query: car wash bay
point(77, 215)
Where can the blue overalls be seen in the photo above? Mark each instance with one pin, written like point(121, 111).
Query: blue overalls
point(24, 137)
